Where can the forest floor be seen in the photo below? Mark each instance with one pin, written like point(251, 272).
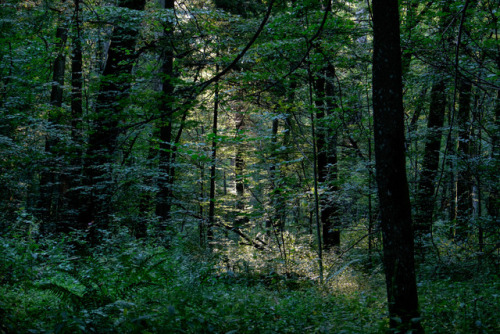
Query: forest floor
point(125, 286)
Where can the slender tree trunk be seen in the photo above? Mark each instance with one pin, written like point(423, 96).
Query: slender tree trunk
point(273, 219)
point(371, 222)
point(425, 201)
point(476, 153)
point(50, 192)
point(72, 175)
point(166, 154)
point(326, 143)
point(330, 211)
point(430, 165)
point(391, 178)
point(277, 219)
point(213, 167)
point(493, 205)
point(201, 223)
point(289, 119)
point(464, 177)
point(315, 168)
point(239, 168)
point(451, 201)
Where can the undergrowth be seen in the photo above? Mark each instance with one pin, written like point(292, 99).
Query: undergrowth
point(127, 286)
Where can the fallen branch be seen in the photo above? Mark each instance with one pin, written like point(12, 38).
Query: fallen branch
point(261, 246)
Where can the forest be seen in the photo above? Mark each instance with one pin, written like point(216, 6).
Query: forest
point(249, 166)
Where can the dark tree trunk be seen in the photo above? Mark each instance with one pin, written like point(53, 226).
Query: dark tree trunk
point(201, 223)
point(277, 216)
point(50, 183)
point(289, 119)
point(166, 154)
point(147, 204)
point(464, 176)
point(213, 167)
point(330, 213)
point(239, 168)
point(430, 164)
point(425, 201)
point(395, 210)
point(72, 174)
point(493, 205)
point(326, 143)
point(276, 201)
point(103, 138)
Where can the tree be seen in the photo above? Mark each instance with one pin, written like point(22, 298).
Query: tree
point(239, 170)
point(394, 200)
point(430, 164)
point(213, 167)
point(166, 150)
point(327, 156)
point(50, 183)
point(425, 200)
point(96, 200)
point(464, 177)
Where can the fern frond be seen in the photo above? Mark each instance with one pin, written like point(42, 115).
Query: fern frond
point(61, 292)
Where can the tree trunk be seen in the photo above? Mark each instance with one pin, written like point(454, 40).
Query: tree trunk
point(425, 201)
point(166, 154)
point(330, 211)
point(430, 163)
point(102, 142)
point(239, 167)
point(464, 176)
point(493, 205)
point(326, 143)
point(394, 199)
point(213, 168)
point(72, 174)
point(50, 192)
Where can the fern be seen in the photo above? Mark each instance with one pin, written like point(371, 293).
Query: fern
point(94, 293)
point(61, 292)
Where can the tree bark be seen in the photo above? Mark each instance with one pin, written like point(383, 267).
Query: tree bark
point(239, 167)
point(166, 154)
point(330, 211)
point(394, 200)
point(464, 176)
point(430, 163)
point(72, 174)
point(50, 183)
point(213, 168)
point(493, 205)
point(103, 138)
point(326, 143)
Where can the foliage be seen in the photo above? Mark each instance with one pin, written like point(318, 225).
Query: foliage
point(141, 272)
point(126, 286)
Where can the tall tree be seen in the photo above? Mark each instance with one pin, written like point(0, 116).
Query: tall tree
point(50, 184)
point(213, 167)
point(166, 154)
point(327, 158)
point(394, 199)
point(239, 169)
point(494, 198)
point(103, 138)
point(71, 174)
point(430, 164)
point(464, 176)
